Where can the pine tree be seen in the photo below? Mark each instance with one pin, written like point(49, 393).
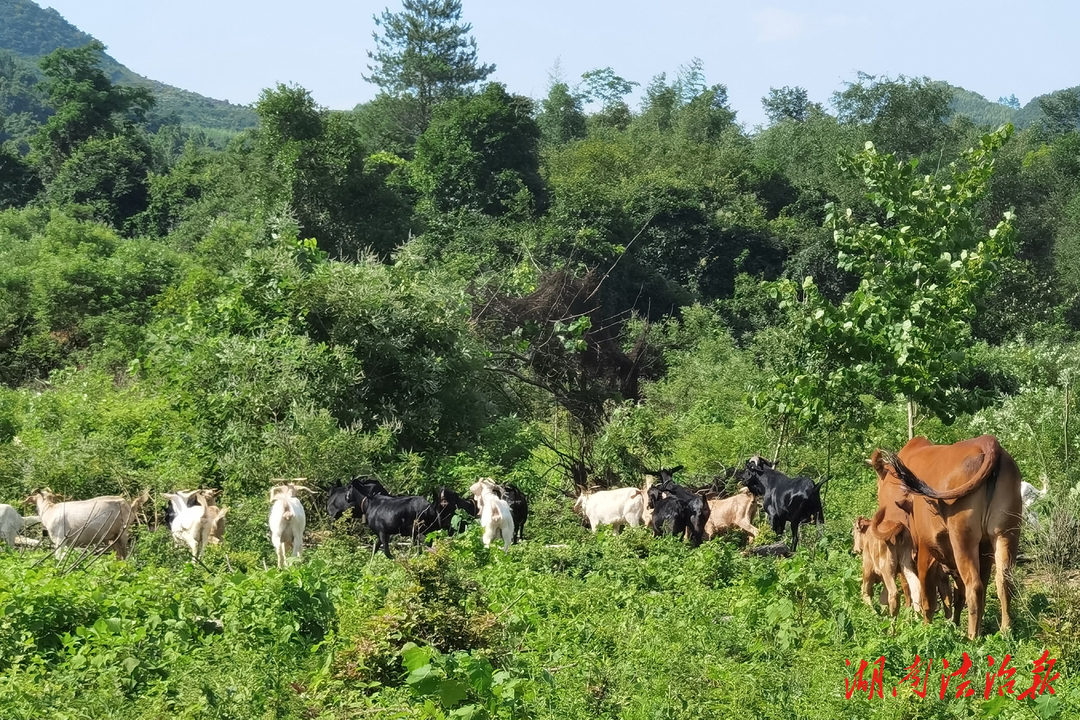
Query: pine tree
point(425, 52)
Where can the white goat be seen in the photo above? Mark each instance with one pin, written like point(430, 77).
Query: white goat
point(12, 524)
point(287, 519)
point(1029, 495)
point(194, 524)
point(205, 496)
point(495, 516)
point(619, 507)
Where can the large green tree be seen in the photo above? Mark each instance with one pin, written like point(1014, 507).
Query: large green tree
point(87, 103)
point(425, 53)
point(18, 181)
point(907, 116)
point(314, 173)
point(922, 264)
point(481, 153)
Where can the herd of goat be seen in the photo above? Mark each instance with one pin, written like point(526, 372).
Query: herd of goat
point(934, 523)
point(195, 519)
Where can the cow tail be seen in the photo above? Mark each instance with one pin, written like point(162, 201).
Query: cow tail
point(987, 471)
point(883, 529)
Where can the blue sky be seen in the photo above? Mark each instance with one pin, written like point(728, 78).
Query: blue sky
point(231, 49)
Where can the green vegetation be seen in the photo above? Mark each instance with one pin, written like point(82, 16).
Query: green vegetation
point(549, 293)
point(30, 32)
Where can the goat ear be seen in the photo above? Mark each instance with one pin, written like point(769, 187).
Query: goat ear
point(305, 489)
point(677, 468)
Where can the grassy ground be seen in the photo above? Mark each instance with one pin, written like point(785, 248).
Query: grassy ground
point(567, 625)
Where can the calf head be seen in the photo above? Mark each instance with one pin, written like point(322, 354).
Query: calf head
point(858, 530)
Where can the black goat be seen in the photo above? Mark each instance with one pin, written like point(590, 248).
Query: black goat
point(342, 498)
point(519, 507)
point(447, 502)
point(784, 499)
point(666, 507)
point(696, 507)
point(408, 515)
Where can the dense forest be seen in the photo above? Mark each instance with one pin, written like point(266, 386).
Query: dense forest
point(454, 281)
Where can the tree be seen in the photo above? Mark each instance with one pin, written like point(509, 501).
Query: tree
point(908, 116)
point(905, 330)
point(22, 107)
point(426, 52)
point(18, 182)
point(481, 153)
point(316, 175)
point(1009, 102)
point(1062, 110)
point(603, 86)
point(87, 103)
point(107, 174)
point(786, 103)
point(561, 116)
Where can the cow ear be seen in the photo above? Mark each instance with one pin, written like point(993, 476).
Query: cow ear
point(877, 461)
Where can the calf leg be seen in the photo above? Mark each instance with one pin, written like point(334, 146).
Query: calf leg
point(1005, 554)
point(944, 591)
point(906, 587)
point(868, 582)
point(909, 578)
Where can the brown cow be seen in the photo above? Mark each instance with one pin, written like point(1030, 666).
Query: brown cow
point(737, 511)
point(964, 513)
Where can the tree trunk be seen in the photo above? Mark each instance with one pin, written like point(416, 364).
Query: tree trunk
point(910, 419)
point(779, 442)
point(1067, 380)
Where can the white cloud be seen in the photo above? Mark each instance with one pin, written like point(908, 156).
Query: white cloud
point(776, 25)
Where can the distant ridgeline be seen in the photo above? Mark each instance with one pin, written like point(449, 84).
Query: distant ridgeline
point(985, 112)
point(30, 32)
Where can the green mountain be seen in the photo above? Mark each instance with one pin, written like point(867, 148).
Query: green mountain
point(985, 112)
point(30, 31)
point(981, 111)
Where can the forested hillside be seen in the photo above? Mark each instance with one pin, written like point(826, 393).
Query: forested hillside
point(455, 281)
point(30, 32)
